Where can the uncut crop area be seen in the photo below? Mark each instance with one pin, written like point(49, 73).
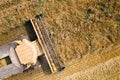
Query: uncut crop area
point(76, 27)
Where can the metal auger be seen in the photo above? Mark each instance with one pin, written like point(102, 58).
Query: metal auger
point(47, 45)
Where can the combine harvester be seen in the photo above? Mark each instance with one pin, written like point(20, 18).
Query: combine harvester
point(23, 53)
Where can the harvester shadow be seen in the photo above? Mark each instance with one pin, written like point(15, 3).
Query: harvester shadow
point(30, 31)
point(44, 64)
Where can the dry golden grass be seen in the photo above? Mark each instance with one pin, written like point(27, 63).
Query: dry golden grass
point(104, 71)
point(77, 27)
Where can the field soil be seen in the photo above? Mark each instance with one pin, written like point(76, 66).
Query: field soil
point(85, 34)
